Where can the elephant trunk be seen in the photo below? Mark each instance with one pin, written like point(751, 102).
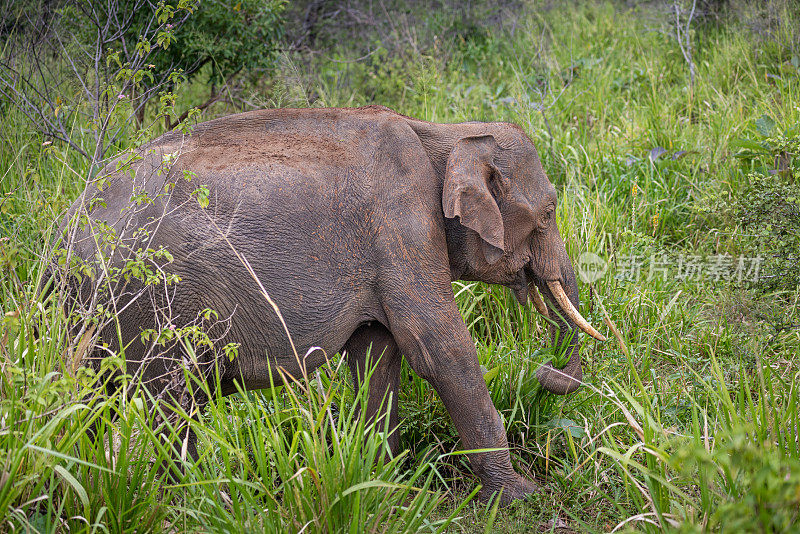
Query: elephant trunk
point(567, 379)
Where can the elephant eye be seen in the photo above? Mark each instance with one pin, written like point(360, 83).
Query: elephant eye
point(547, 217)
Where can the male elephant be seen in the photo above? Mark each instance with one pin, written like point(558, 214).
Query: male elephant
point(353, 222)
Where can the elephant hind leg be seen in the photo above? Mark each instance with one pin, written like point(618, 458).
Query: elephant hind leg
point(384, 360)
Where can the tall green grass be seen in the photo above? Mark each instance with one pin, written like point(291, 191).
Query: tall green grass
point(296, 459)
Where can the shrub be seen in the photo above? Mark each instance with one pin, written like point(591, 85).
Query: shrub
point(763, 215)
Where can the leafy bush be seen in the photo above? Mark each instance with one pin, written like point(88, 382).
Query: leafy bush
point(757, 488)
point(229, 39)
point(763, 215)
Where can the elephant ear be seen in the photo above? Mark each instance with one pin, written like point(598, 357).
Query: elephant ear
point(470, 179)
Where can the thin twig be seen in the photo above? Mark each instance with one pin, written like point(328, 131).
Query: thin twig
point(684, 40)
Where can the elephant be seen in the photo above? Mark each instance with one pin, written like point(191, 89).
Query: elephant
point(334, 230)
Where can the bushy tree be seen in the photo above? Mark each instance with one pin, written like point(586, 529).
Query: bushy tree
point(763, 215)
point(99, 62)
point(76, 66)
point(232, 38)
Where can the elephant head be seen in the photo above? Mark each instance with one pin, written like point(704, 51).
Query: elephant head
point(500, 220)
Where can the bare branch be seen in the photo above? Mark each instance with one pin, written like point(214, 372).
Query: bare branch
point(215, 97)
point(683, 36)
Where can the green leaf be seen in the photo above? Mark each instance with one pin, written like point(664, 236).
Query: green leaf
point(271, 393)
point(748, 144)
point(765, 125)
point(493, 512)
point(202, 196)
point(569, 425)
point(489, 375)
point(68, 458)
point(72, 481)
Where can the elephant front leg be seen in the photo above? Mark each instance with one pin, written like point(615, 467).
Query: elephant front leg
point(384, 364)
point(441, 351)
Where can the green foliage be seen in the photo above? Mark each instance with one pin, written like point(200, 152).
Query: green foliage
point(767, 214)
point(244, 36)
point(76, 459)
point(304, 459)
point(764, 213)
point(761, 492)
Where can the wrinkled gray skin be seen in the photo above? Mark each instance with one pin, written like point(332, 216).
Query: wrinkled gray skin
point(355, 221)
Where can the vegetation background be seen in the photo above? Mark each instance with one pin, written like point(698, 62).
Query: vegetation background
point(671, 132)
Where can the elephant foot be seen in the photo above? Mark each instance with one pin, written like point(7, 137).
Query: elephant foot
point(515, 489)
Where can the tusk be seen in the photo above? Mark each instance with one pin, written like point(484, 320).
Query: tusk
point(538, 303)
point(572, 313)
